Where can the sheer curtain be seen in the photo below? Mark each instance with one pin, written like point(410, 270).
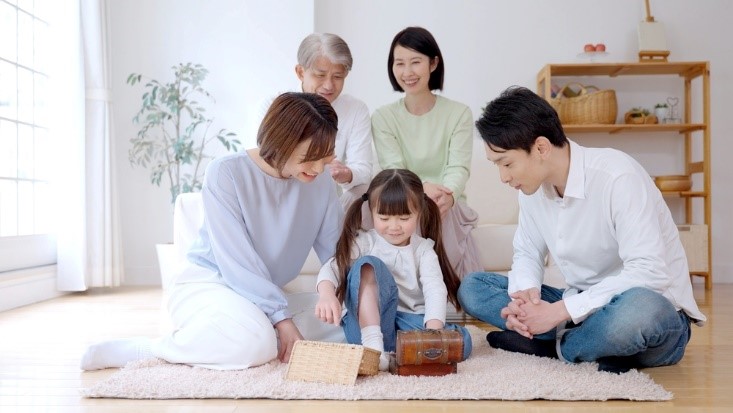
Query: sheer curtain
point(88, 236)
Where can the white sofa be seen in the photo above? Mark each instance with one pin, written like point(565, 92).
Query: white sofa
point(495, 202)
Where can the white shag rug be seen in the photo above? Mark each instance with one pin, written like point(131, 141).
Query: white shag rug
point(488, 374)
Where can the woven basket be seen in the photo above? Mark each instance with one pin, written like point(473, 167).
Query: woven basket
point(639, 118)
point(318, 361)
point(590, 106)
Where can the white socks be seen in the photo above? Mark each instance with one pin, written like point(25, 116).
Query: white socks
point(115, 353)
point(371, 336)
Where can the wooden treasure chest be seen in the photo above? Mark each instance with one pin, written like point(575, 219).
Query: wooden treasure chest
point(427, 353)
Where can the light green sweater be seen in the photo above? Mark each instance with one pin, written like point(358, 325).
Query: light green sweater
point(436, 145)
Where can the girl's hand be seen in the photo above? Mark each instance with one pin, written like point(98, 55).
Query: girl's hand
point(328, 309)
point(287, 335)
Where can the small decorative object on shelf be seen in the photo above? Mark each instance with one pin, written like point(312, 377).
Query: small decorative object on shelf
point(673, 182)
point(593, 52)
point(593, 56)
point(661, 110)
point(672, 116)
point(652, 39)
point(640, 116)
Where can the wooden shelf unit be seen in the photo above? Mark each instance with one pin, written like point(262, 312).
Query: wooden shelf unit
point(688, 71)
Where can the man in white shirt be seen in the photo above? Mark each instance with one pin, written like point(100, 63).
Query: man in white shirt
point(629, 300)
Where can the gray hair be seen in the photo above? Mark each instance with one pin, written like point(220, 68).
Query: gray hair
point(328, 45)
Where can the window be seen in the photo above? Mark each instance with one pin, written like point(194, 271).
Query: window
point(25, 227)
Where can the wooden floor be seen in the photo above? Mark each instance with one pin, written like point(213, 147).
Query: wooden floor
point(40, 348)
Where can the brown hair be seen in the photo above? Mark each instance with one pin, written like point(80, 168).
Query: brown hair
point(293, 118)
point(395, 192)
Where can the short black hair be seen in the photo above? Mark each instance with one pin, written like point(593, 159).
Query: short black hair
point(421, 41)
point(516, 118)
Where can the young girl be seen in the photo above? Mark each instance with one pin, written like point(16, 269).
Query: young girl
point(389, 278)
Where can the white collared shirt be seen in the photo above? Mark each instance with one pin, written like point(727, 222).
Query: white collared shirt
point(611, 231)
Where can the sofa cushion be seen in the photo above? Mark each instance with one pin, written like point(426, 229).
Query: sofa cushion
point(188, 217)
point(495, 201)
point(494, 243)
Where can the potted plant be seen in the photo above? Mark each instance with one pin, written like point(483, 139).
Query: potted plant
point(662, 111)
point(639, 116)
point(173, 138)
point(174, 130)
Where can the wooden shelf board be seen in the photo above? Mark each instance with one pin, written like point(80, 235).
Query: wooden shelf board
point(626, 128)
point(693, 194)
point(684, 194)
point(688, 69)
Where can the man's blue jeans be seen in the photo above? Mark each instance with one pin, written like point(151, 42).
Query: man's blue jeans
point(638, 327)
point(391, 319)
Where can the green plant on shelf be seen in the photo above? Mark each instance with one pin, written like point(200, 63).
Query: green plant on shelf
point(638, 112)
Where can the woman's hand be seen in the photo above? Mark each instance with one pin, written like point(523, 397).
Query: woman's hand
point(441, 195)
point(287, 335)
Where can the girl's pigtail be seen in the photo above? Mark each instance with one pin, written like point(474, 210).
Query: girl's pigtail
point(342, 257)
point(430, 224)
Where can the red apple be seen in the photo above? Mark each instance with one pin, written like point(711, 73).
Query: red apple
point(589, 48)
point(600, 47)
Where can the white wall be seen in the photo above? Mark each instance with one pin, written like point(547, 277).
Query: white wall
point(250, 46)
point(491, 44)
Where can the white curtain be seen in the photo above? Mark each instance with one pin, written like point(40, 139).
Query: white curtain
point(89, 239)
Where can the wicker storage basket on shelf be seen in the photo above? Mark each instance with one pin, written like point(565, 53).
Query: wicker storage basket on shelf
point(589, 106)
point(637, 117)
point(331, 362)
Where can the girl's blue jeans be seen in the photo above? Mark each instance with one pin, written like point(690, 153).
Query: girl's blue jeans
point(638, 327)
point(391, 319)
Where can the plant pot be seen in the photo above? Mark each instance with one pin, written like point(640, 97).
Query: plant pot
point(661, 113)
point(636, 118)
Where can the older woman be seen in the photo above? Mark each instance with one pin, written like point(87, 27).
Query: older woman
point(264, 210)
point(324, 61)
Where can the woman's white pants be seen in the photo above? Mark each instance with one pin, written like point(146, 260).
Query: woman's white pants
point(216, 328)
